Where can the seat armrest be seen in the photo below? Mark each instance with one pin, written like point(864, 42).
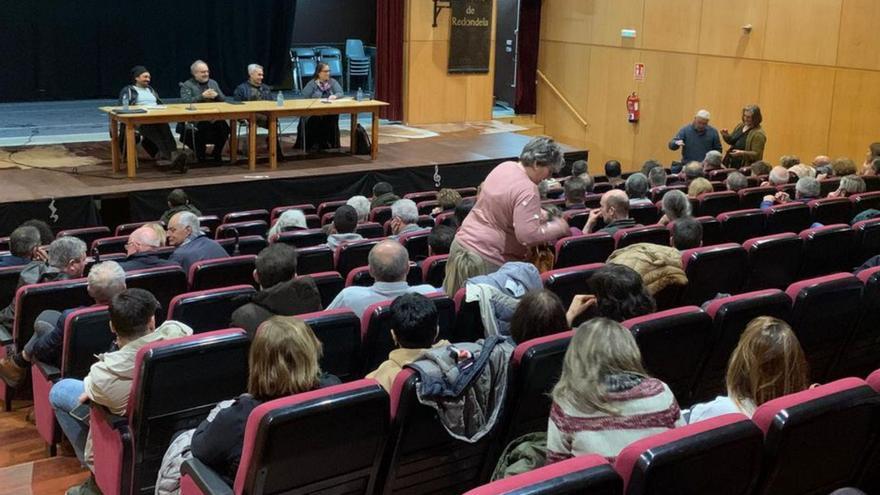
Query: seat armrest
point(204, 478)
point(51, 373)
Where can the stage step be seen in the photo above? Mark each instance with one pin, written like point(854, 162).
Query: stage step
point(532, 128)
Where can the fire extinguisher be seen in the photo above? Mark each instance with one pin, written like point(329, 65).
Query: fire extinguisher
point(632, 107)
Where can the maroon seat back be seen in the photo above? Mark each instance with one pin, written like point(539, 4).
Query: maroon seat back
point(222, 272)
point(829, 211)
point(434, 270)
point(774, 261)
point(658, 192)
point(711, 231)
point(712, 270)
point(164, 282)
point(864, 201)
point(314, 259)
point(416, 244)
point(306, 208)
point(583, 474)
point(209, 310)
point(715, 203)
point(788, 217)
point(646, 214)
point(826, 250)
point(828, 185)
point(352, 255)
point(861, 354)
point(339, 331)
point(425, 207)
point(737, 226)
point(751, 197)
point(468, 320)
point(329, 285)
point(86, 234)
point(570, 281)
point(107, 245)
point(583, 249)
point(370, 230)
point(329, 207)
point(866, 240)
point(9, 276)
point(127, 228)
point(653, 234)
point(246, 216)
point(209, 224)
point(302, 238)
point(421, 196)
point(31, 300)
point(251, 227)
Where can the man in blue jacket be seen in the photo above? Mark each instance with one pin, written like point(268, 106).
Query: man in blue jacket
point(185, 232)
point(696, 139)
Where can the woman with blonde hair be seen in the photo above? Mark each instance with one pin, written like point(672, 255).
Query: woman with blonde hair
point(289, 220)
point(699, 186)
point(447, 200)
point(283, 361)
point(768, 363)
point(604, 399)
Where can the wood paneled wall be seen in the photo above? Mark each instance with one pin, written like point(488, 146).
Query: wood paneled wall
point(812, 65)
point(430, 94)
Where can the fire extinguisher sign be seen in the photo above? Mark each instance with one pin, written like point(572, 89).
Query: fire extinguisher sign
point(639, 72)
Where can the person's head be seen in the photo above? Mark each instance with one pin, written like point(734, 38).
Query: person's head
point(468, 264)
point(413, 321)
point(778, 176)
point(693, 170)
point(612, 169)
point(843, 166)
point(46, 234)
point(699, 186)
point(142, 240)
point(579, 167)
point(177, 197)
point(751, 116)
point(283, 359)
point(712, 160)
point(873, 167)
point(140, 76)
point(851, 184)
point(404, 212)
point(821, 160)
point(614, 205)
point(636, 186)
point(736, 181)
point(133, 314)
point(657, 177)
point(361, 205)
point(759, 167)
point(345, 219)
point(24, 241)
point(768, 363)
point(275, 264)
point(807, 188)
point(381, 188)
point(68, 255)
point(322, 72)
point(701, 120)
point(255, 74)
point(541, 157)
point(199, 71)
point(161, 234)
point(650, 165)
point(676, 205)
point(448, 198)
point(620, 293)
point(825, 171)
point(788, 161)
point(106, 279)
point(599, 348)
point(463, 209)
point(802, 170)
point(182, 226)
point(687, 233)
point(440, 239)
point(874, 151)
point(575, 190)
point(289, 220)
point(388, 262)
point(538, 313)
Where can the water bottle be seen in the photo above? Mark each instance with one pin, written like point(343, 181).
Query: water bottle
point(125, 101)
point(279, 100)
point(360, 95)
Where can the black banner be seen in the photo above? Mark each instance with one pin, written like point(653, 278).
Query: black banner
point(470, 36)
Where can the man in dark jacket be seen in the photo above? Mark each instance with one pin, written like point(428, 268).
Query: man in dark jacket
point(141, 250)
point(177, 202)
point(185, 232)
point(24, 245)
point(281, 293)
point(383, 195)
point(198, 89)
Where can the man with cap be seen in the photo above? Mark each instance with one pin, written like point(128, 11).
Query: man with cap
point(696, 139)
point(155, 138)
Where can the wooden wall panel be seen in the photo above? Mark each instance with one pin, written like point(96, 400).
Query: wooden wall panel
point(725, 86)
point(855, 119)
point(669, 25)
point(565, 64)
point(610, 16)
point(558, 120)
point(802, 31)
point(419, 17)
point(859, 42)
point(566, 20)
point(609, 81)
point(723, 35)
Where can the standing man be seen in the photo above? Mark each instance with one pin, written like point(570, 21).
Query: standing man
point(201, 88)
point(696, 139)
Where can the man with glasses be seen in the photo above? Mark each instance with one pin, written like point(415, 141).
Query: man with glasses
point(141, 250)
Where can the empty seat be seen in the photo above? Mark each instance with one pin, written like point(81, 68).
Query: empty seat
point(306, 208)
point(715, 203)
point(329, 207)
point(774, 261)
point(866, 240)
point(421, 196)
point(352, 255)
point(584, 474)
point(222, 272)
point(713, 270)
point(303, 238)
point(416, 244)
point(246, 216)
point(209, 309)
point(654, 234)
point(583, 249)
point(86, 234)
point(31, 300)
point(751, 197)
point(730, 315)
point(209, 224)
point(164, 282)
point(247, 244)
point(339, 331)
point(721, 456)
point(824, 313)
point(569, 281)
point(737, 226)
point(380, 214)
point(861, 355)
point(329, 284)
point(107, 245)
point(711, 231)
point(468, 320)
point(127, 228)
point(788, 217)
point(314, 260)
point(370, 230)
point(592, 200)
point(829, 211)
point(864, 201)
point(674, 344)
point(240, 229)
point(434, 270)
point(645, 214)
point(826, 250)
point(9, 276)
point(815, 440)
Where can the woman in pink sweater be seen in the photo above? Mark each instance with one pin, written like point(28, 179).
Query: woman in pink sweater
point(507, 218)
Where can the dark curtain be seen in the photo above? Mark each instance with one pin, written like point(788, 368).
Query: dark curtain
point(58, 49)
point(527, 56)
point(389, 63)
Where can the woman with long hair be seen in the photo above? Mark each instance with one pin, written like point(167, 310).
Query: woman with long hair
point(747, 139)
point(320, 131)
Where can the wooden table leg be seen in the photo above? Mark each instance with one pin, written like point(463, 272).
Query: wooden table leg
point(374, 149)
point(252, 142)
point(130, 151)
point(233, 141)
point(114, 144)
point(353, 136)
point(273, 142)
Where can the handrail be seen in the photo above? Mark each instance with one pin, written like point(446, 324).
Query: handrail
point(563, 99)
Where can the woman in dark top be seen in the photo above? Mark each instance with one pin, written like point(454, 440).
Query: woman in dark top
point(283, 361)
point(747, 140)
point(320, 131)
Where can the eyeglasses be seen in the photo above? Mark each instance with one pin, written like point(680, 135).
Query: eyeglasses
point(325, 70)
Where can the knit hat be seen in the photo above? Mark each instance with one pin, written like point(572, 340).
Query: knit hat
point(137, 70)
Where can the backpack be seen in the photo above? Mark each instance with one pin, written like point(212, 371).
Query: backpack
point(362, 141)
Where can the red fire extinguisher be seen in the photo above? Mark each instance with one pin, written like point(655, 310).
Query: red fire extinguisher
point(632, 107)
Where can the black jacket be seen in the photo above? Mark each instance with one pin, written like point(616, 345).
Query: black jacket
point(286, 299)
point(141, 261)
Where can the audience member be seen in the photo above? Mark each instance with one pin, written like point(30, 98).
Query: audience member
point(198, 89)
point(612, 173)
point(712, 161)
point(468, 265)
point(806, 190)
point(24, 247)
point(320, 131)
point(768, 363)
point(675, 205)
point(288, 220)
point(575, 192)
point(362, 206)
point(404, 217)
point(657, 177)
point(447, 200)
point(658, 266)
point(801, 170)
point(538, 313)
point(281, 292)
point(687, 233)
point(824, 172)
point(46, 234)
point(579, 168)
point(698, 187)
point(872, 168)
point(843, 166)
point(778, 177)
point(345, 221)
point(178, 201)
point(616, 292)
point(383, 195)
point(650, 165)
point(693, 171)
point(788, 161)
point(696, 138)
point(440, 239)
point(253, 89)
point(637, 190)
point(736, 181)
point(747, 140)
point(849, 185)
point(613, 210)
point(872, 154)
point(389, 263)
point(191, 245)
point(284, 360)
point(821, 160)
point(604, 399)
point(414, 329)
point(141, 250)
point(759, 168)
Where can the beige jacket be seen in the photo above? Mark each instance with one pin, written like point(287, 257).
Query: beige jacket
point(397, 359)
point(659, 266)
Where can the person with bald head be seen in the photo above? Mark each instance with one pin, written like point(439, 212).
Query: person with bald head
point(614, 211)
point(141, 250)
point(200, 88)
point(389, 264)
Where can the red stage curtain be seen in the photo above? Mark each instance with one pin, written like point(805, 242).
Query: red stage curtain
point(389, 55)
point(527, 56)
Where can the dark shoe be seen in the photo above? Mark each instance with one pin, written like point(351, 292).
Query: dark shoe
point(11, 373)
point(179, 163)
point(89, 487)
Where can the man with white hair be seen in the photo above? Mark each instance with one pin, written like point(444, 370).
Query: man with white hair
point(105, 281)
point(779, 176)
point(806, 190)
point(201, 88)
point(361, 205)
point(254, 90)
point(404, 217)
point(141, 250)
point(712, 161)
point(184, 232)
point(696, 139)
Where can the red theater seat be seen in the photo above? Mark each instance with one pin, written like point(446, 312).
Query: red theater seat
point(713, 270)
point(222, 272)
point(590, 474)
point(209, 309)
point(774, 261)
point(339, 331)
point(246, 216)
point(583, 249)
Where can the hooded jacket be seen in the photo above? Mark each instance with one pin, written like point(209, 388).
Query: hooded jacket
point(289, 298)
point(659, 266)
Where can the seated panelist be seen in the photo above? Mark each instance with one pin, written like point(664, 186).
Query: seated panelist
point(201, 88)
point(320, 131)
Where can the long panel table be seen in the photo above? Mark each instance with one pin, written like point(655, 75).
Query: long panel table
point(248, 111)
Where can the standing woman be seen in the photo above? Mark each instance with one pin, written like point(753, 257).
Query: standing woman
point(747, 140)
point(320, 131)
point(507, 218)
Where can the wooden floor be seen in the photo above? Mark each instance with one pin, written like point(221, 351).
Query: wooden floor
point(25, 466)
